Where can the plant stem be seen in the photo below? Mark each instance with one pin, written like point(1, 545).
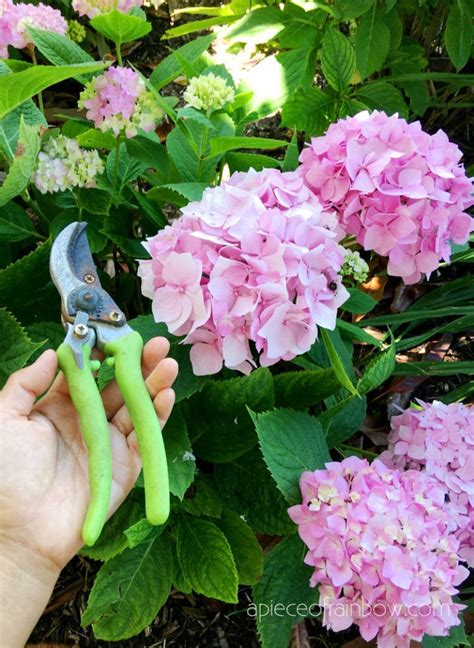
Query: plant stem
point(118, 49)
point(116, 161)
point(39, 96)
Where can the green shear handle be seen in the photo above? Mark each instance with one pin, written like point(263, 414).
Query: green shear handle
point(126, 351)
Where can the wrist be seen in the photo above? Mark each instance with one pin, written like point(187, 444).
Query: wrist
point(27, 582)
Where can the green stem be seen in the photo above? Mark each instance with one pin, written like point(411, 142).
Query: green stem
point(39, 96)
point(116, 161)
point(118, 49)
point(44, 221)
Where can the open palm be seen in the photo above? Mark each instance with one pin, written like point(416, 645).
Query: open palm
point(44, 489)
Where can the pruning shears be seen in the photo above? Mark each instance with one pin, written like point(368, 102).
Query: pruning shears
point(93, 320)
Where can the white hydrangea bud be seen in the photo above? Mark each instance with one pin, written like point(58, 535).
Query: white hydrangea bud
point(208, 92)
point(63, 164)
point(355, 266)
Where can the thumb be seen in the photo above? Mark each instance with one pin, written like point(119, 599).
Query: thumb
point(24, 386)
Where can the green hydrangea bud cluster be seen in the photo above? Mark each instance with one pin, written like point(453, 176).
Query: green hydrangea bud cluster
point(63, 164)
point(75, 31)
point(355, 266)
point(208, 92)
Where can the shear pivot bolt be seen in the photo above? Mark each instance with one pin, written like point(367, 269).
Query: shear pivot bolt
point(81, 330)
point(115, 316)
point(89, 278)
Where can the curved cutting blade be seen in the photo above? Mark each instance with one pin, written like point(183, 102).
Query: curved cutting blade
point(75, 276)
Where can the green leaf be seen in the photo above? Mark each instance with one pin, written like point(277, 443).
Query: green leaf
point(112, 540)
point(291, 443)
point(458, 33)
point(285, 581)
point(372, 41)
point(140, 532)
point(16, 348)
point(355, 333)
point(93, 138)
point(426, 368)
point(203, 498)
point(129, 590)
point(336, 362)
point(291, 159)
point(309, 111)
point(58, 49)
point(223, 144)
point(179, 193)
point(351, 9)
point(275, 80)
point(15, 224)
point(20, 86)
point(302, 389)
point(150, 152)
point(395, 25)
point(198, 25)
point(95, 201)
point(205, 558)
point(120, 27)
point(247, 552)
point(181, 461)
point(189, 156)
point(170, 67)
point(118, 227)
point(337, 59)
point(26, 277)
point(218, 421)
point(246, 161)
point(128, 168)
point(19, 174)
point(248, 489)
point(383, 96)
point(379, 369)
point(257, 26)
point(342, 420)
point(359, 302)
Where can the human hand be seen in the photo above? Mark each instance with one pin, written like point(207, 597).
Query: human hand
point(44, 488)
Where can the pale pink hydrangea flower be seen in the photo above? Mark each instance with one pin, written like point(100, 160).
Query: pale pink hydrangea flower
point(439, 439)
point(118, 100)
point(16, 18)
point(92, 8)
point(401, 192)
point(383, 556)
point(252, 266)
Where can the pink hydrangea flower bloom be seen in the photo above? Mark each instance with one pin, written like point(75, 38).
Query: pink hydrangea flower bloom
point(16, 18)
point(266, 265)
point(439, 439)
point(93, 8)
point(383, 554)
point(401, 192)
point(118, 100)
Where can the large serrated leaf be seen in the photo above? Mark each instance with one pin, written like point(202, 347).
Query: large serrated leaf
point(337, 59)
point(203, 498)
point(248, 489)
point(120, 27)
point(170, 67)
point(181, 461)
point(302, 389)
point(342, 420)
point(59, 49)
point(285, 581)
point(308, 111)
point(257, 26)
point(291, 443)
point(15, 224)
point(384, 96)
point(20, 171)
point(20, 86)
point(247, 552)
point(327, 338)
point(16, 348)
point(205, 558)
point(218, 421)
point(130, 589)
point(372, 42)
point(379, 369)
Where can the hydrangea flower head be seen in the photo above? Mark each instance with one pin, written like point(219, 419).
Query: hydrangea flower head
point(208, 92)
point(439, 439)
point(381, 549)
point(118, 100)
point(16, 18)
point(355, 266)
point(63, 164)
point(402, 192)
point(256, 261)
point(93, 8)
